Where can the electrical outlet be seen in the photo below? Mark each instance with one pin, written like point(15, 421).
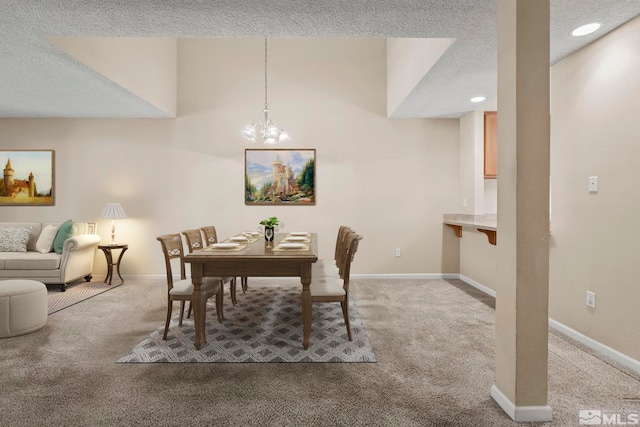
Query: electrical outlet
point(397, 251)
point(591, 299)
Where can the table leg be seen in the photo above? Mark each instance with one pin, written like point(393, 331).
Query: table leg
point(198, 302)
point(118, 264)
point(305, 278)
point(109, 258)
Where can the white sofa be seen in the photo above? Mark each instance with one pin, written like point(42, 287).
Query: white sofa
point(75, 262)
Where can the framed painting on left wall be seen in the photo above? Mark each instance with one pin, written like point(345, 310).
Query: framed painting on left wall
point(28, 178)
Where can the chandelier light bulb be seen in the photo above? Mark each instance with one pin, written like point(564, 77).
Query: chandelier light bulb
point(273, 131)
point(249, 133)
point(284, 137)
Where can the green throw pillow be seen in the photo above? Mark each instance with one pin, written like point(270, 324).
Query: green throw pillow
point(64, 232)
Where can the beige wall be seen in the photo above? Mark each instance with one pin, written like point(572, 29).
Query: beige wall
point(408, 61)
point(595, 242)
point(144, 66)
point(389, 179)
point(478, 258)
point(471, 166)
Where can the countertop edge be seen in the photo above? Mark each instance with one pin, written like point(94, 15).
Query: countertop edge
point(485, 222)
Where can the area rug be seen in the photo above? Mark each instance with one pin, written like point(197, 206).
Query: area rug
point(75, 293)
point(265, 326)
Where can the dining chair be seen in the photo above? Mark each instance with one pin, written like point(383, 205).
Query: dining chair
point(182, 290)
point(194, 243)
point(211, 237)
point(329, 267)
point(336, 289)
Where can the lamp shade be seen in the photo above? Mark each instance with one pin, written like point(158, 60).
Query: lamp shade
point(113, 211)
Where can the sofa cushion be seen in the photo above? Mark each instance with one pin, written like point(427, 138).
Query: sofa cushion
point(45, 241)
point(14, 239)
point(36, 227)
point(29, 261)
point(64, 232)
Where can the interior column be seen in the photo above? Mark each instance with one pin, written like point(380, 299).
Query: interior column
point(522, 288)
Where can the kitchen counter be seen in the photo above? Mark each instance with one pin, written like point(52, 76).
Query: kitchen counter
point(487, 224)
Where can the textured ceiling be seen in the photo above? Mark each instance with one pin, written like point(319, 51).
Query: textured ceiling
point(38, 80)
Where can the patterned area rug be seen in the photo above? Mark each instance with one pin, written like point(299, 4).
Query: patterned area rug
point(75, 293)
point(265, 326)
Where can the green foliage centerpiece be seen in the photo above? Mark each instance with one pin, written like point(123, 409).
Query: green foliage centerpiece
point(269, 225)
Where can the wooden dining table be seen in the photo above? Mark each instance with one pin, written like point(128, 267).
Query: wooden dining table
point(257, 258)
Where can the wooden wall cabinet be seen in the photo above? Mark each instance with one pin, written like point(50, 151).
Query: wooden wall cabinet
point(490, 144)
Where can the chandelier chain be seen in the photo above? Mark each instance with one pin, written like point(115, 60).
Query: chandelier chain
point(270, 132)
point(266, 104)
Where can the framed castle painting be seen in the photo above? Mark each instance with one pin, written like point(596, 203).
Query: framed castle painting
point(280, 177)
point(27, 178)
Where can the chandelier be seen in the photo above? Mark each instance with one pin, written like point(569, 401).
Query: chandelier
point(271, 133)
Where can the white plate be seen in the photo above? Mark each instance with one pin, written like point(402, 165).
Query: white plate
point(291, 245)
point(299, 233)
point(296, 238)
point(238, 239)
point(225, 245)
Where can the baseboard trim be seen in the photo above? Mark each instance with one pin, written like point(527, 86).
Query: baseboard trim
point(597, 346)
point(521, 414)
point(478, 285)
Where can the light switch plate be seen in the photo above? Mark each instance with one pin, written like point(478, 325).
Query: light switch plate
point(593, 184)
point(591, 299)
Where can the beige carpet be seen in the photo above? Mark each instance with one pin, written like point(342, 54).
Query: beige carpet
point(433, 341)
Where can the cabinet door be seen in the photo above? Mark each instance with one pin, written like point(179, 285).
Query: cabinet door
point(490, 144)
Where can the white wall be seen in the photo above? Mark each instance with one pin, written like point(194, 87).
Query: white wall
point(389, 179)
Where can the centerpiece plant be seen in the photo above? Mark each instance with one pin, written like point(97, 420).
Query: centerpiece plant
point(269, 225)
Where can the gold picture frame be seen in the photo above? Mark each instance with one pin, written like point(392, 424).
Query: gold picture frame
point(28, 178)
point(280, 177)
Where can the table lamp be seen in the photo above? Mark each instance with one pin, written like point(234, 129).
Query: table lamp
point(113, 211)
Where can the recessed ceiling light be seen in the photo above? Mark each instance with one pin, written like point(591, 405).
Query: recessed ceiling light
point(586, 29)
point(478, 99)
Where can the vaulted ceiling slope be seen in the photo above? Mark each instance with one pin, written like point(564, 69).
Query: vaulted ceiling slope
point(39, 80)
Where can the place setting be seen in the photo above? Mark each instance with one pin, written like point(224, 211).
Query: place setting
point(294, 241)
point(297, 237)
point(226, 246)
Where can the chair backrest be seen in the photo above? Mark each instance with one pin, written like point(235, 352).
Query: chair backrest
point(351, 247)
point(210, 235)
point(342, 234)
point(172, 249)
point(194, 240)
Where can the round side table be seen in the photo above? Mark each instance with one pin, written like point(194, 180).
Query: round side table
point(107, 249)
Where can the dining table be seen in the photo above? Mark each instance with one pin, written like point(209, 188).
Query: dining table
point(255, 257)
